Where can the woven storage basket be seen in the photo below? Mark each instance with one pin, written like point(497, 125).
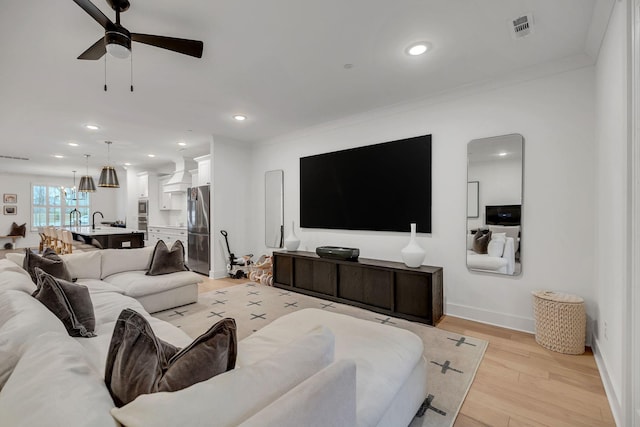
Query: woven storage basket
point(561, 321)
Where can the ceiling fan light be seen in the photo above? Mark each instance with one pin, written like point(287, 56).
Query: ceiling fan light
point(118, 51)
point(118, 43)
point(87, 185)
point(108, 178)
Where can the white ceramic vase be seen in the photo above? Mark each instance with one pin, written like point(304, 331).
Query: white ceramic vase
point(412, 254)
point(292, 242)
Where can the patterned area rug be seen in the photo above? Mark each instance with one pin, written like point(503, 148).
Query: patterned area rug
point(452, 359)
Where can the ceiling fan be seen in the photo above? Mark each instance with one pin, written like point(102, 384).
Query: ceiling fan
point(117, 39)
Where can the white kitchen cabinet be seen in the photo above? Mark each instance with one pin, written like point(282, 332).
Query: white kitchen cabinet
point(175, 201)
point(194, 177)
point(204, 169)
point(143, 184)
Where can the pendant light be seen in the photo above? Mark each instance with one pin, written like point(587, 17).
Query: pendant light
point(108, 177)
point(72, 195)
point(86, 182)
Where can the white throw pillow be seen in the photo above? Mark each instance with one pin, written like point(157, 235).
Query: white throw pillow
point(469, 241)
point(239, 394)
point(499, 236)
point(496, 247)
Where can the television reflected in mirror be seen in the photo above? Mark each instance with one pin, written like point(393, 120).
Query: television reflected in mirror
point(494, 235)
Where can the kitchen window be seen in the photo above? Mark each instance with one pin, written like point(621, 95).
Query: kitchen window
point(51, 205)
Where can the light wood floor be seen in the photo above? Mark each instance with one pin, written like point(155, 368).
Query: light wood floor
point(520, 383)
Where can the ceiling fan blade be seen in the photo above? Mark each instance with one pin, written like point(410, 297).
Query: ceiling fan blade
point(96, 51)
point(95, 13)
point(184, 46)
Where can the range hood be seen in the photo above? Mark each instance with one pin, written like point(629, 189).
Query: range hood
point(181, 178)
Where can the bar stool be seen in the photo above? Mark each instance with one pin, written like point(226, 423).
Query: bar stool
point(67, 240)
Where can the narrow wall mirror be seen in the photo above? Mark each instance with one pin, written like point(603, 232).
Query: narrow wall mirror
point(274, 209)
point(494, 227)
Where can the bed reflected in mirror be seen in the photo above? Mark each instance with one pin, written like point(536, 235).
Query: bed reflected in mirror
point(494, 204)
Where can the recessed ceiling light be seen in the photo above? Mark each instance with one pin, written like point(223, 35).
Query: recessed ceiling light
point(151, 155)
point(502, 154)
point(127, 164)
point(58, 156)
point(92, 127)
point(182, 144)
point(418, 48)
point(240, 117)
point(73, 144)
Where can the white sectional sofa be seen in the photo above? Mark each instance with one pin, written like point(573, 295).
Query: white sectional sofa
point(123, 271)
point(308, 368)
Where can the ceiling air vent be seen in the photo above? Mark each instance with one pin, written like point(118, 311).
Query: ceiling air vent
point(521, 26)
point(13, 157)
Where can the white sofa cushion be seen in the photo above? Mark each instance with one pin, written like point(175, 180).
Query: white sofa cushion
point(15, 277)
point(119, 260)
point(107, 307)
point(96, 286)
point(334, 387)
point(83, 265)
point(382, 369)
point(137, 283)
point(22, 318)
point(495, 248)
point(239, 394)
point(54, 385)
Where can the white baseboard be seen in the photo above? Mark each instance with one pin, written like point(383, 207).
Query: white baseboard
point(495, 318)
point(614, 402)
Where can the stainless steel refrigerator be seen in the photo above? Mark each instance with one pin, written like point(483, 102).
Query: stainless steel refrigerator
point(198, 223)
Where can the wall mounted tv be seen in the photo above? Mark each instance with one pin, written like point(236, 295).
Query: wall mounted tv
point(381, 187)
point(502, 215)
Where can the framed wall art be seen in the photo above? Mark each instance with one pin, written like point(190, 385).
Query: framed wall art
point(10, 198)
point(10, 210)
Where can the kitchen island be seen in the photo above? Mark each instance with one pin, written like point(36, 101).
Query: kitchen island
point(109, 237)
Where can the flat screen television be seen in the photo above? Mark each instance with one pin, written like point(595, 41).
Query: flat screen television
point(502, 215)
point(380, 187)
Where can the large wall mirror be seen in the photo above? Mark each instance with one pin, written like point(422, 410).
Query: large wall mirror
point(494, 204)
point(274, 209)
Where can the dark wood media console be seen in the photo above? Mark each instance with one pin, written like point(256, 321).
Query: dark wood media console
point(382, 286)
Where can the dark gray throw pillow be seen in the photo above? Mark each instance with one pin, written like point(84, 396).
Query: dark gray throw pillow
point(481, 242)
point(165, 260)
point(140, 363)
point(18, 230)
point(50, 262)
point(70, 302)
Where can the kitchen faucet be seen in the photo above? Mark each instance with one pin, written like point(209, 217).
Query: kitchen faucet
point(93, 219)
point(78, 217)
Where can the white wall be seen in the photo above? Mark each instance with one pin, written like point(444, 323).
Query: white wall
point(554, 114)
point(232, 204)
point(611, 204)
point(106, 200)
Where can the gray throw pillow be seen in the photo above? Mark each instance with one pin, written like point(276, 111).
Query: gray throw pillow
point(481, 242)
point(18, 230)
point(50, 262)
point(165, 260)
point(140, 363)
point(71, 303)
